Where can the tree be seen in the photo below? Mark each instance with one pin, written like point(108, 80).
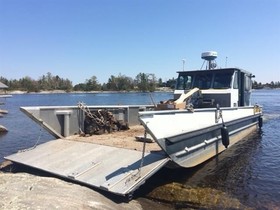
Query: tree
point(65, 84)
point(146, 82)
point(43, 83)
point(124, 83)
point(80, 87)
point(120, 83)
point(171, 83)
point(112, 83)
point(28, 84)
point(160, 83)
point(4, 80)
point(142, 82)
point(152, 82)
point(92, 84)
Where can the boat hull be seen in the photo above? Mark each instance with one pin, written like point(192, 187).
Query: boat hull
point(192, 145)
point(193, 158)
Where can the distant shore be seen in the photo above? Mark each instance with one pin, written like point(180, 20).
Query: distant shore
point(15, 92)
point(164, 89)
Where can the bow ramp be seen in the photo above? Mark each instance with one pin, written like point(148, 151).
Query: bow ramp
point(117, 170)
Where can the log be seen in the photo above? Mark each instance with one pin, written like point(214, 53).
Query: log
point(185, 96)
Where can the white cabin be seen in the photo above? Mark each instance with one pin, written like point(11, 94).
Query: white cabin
point(228, 87)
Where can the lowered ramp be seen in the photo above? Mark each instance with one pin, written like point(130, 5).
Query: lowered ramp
point(116, 170)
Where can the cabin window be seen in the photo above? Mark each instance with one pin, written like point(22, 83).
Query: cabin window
point(222, 80)
point(180, 83)
point(235, 81)
point(203, 81)
point(248, 83)
point(188, 82)
point(184, 82)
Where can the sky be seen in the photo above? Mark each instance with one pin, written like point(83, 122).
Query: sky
point(78, 39)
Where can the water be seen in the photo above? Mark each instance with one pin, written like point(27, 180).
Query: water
point(247, 173)
point(24, 133)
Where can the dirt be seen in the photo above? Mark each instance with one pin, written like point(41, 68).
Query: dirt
point(123, 139)
point(23, 190)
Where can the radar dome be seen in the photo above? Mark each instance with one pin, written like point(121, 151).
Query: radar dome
point(209, 56)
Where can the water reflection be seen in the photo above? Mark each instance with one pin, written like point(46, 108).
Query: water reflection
point(226, 181)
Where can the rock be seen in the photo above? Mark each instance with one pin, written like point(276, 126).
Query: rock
point(195, 197)
point(26, 191)
point(3, 129)
point(2, 111)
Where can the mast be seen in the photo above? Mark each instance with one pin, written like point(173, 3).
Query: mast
point(210, 56)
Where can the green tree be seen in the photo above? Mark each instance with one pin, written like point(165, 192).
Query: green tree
point(171, 83)
point(160, 83)
point(152, 82)
point(80, 87)
point(92, 84)
point(28, 84)
point(112, 83)
point(65, 84)
point(141, 81)
point(146, 82)
point(124, 83)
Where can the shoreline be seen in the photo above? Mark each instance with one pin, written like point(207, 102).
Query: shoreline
point(18, 92)
point(161, 90)
point(23, 188)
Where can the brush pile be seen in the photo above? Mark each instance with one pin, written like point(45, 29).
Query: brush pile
point(101, 121)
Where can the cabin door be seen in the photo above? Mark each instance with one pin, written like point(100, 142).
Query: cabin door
point(241, 88)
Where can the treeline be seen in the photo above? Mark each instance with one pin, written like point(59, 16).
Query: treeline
point(142, 82)
point(259, 85)
point(46, 82)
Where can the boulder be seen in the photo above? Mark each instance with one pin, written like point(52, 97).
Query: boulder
point(3, 129)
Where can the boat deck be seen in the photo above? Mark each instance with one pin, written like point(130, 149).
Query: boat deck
point(112, 162)
point(121, 139)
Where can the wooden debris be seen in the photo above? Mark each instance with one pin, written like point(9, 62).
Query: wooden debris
point(101, 121)
point(180, 103)
point(147, 139)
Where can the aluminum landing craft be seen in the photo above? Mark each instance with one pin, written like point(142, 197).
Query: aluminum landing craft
point(211, 110)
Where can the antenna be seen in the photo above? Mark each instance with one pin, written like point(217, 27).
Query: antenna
point(184, 60)
point(210, 56)
point(226, 61)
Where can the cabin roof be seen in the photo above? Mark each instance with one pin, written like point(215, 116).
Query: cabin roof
point(214, 70)
point(3, 86)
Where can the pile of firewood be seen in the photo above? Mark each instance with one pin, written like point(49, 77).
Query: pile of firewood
point(102, 121)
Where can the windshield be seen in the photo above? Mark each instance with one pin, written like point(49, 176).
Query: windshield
point(222, 80)
point(204, 80)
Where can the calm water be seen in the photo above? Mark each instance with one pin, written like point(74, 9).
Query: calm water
point(248, 171)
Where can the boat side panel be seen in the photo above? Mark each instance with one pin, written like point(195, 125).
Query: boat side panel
point(164, 124)
point(190, 139)
point(189, 146)
point(62, 121)
point(205, 153)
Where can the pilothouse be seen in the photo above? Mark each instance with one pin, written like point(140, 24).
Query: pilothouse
point(228, 87)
